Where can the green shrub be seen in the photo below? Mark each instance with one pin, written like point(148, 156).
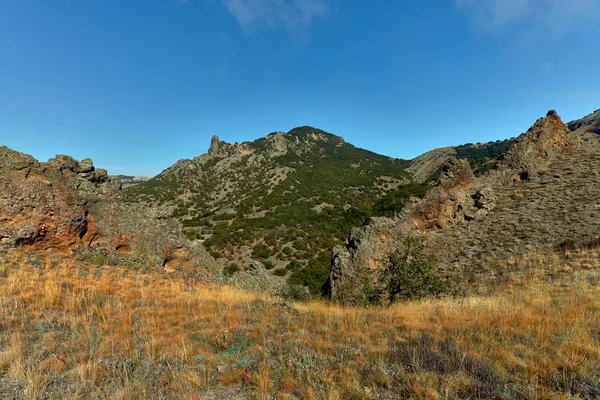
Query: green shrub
point(411, 273)
point(280, 272)
point(95, 259)
point(296, 293)
point(268, 264)
point(314, 279)
point(233, 268)
point(261, 251)
point(224, 217)
point(294, 265)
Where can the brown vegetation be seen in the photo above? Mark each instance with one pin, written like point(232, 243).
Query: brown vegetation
point(70, 330)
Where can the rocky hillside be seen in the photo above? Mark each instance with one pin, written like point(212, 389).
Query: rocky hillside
point(128, 180)
point(69, 207)
point(541, 193)
point(588, 126)
point(285, 199)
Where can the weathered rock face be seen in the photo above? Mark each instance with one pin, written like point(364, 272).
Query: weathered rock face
point(453, 199)
point(45, 205)
point(426, 164)
point(70, 207)
point(455, 202)
point(548, 137)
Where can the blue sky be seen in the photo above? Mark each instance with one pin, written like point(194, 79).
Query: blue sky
point(138, 84)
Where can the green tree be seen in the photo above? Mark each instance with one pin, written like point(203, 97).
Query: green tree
point(411, 272)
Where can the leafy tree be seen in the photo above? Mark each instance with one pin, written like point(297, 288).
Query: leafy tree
point(411, 272)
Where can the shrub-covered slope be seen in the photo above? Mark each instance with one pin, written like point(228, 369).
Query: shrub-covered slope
point(285, 199)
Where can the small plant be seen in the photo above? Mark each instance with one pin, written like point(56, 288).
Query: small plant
point(411, 273)
point(280, 272)
point(261, 251)
point(296, 293)
point(95, 259)
point(233, 268)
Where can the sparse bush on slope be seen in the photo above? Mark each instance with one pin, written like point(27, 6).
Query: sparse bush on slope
point(411, 272)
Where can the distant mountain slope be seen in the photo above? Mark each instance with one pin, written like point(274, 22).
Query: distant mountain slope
point(588, 126)
point(128, 180)
point(285, 199)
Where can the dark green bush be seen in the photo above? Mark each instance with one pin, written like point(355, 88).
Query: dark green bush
point(314, 279)
point(294, 265)
point(411, 272)
point(233, 268)
point(261, 251)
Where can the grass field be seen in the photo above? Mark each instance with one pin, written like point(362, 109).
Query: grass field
point(73, 331)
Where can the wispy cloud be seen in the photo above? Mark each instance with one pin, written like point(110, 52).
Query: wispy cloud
point(553, 14)
point(584, 94)
point(293, 15)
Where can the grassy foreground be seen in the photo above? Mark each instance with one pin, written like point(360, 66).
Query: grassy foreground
point(72, 331)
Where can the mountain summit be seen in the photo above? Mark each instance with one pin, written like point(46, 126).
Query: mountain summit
point(285, 199)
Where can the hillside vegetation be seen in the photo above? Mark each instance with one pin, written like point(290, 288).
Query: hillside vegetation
point(72, 330)
point(288, 199)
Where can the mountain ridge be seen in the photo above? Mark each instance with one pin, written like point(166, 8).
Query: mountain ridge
point(283, 199)
point(472, 221)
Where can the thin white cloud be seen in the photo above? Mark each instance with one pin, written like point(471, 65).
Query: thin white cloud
point(292, 15)
point(584, 94)
point(552, 14)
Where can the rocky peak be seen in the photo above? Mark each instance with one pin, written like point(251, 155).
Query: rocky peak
point(214, 145)
point(546, 138)
point(454, 202)
point(13, 160)
point(221, 149)
point(279, 142)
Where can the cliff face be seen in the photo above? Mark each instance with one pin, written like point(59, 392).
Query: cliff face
point(66, 206)
point(461, 211)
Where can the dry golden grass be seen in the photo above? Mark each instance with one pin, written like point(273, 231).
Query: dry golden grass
point(74, 331)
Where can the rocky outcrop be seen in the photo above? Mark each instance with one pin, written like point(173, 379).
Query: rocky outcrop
point(588, 127)
point(453, 199)
point(221, 149)
point(454, 202)
point(45, 206)
point(428, 163)
point(257, 278)
point(69, 206)
point(533, 150)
